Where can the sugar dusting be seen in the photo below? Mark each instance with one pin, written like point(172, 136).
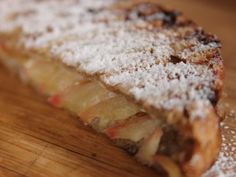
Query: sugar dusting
point(98, 39)
point(225, 166)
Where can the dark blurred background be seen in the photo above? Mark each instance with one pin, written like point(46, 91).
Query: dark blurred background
point(229, 3)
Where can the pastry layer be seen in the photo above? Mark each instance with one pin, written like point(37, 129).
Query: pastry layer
point(162, 141)
point(156, 56)
point(121, 66)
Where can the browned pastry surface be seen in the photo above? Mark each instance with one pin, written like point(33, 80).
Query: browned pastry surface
point(155, 57)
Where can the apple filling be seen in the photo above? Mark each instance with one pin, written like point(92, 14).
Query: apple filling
point(108, 112)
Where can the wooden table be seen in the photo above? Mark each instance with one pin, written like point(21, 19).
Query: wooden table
point(39, 140)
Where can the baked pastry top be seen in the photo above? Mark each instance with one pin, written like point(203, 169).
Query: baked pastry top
point(154, 56)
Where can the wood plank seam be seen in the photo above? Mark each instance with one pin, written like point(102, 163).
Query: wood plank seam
point(34, 162)
point(11, 170)
point(80, 154)
point(69, 150)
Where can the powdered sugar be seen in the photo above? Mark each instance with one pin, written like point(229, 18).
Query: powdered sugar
point(129, 54)
point(149, 80)
point(107, 49)
point(225, 166)
point(97, 38)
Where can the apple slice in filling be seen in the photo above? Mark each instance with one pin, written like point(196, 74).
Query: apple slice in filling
point(107, 112)
point(135, 129)
point(81, 95)
point(50, 77)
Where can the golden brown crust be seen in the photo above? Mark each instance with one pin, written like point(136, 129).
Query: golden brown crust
point(207, 137)
point(201, 152)
point(196, 122)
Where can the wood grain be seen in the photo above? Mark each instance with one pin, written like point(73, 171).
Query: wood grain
point(39, 140)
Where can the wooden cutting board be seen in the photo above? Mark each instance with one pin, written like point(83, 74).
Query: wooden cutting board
point(39, 140)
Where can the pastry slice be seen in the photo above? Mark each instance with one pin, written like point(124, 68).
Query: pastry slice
point(143, 75)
